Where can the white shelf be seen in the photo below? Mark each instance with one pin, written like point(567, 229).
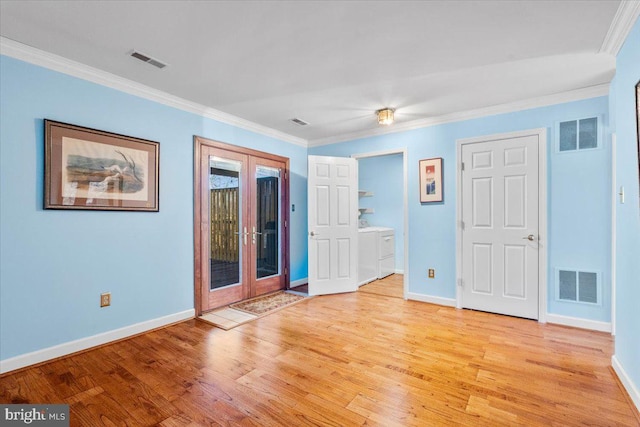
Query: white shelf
point(363, 193)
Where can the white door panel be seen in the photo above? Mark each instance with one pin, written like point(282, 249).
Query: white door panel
point(499, 212)
point(333, 225)
point(482, 268)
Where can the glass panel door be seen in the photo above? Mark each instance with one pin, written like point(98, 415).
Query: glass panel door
point(267, 229)
point(268, 273)
point(227, 232)
point(222, 203)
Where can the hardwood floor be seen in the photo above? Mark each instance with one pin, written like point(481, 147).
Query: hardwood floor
point(341, 360)
point(390, 286)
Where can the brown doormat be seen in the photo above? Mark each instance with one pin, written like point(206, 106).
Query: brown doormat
point(264, 304)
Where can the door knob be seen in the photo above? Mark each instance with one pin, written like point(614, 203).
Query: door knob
point(312, 234)
point(530, 237)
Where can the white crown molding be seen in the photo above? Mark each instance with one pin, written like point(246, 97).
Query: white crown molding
point(58, 63)
point(54, 62)
point(526, 104)
point(75, 346)
point(623, 21)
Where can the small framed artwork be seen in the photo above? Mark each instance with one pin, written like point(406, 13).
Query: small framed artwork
point(96, 170)
point(431, 180)
point(638, 124)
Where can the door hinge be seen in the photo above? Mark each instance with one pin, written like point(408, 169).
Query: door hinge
point(462, 166)
point(462, 225)
point(285, 224)
point(461, 283)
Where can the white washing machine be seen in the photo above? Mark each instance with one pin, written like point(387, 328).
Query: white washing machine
point(386, 252)
point(376, 253)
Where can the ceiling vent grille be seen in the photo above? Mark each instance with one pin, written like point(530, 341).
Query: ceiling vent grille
point(149, 60)
point(299, 122)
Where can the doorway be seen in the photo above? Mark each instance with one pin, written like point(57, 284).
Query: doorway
point(323, 173)
point(398, 184)
point(241, 199)
point(501, 237)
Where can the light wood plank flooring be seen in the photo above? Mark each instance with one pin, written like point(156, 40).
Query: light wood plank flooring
point(390, 286)
point(341, 360)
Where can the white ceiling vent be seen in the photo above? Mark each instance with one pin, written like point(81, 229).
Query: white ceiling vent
point(299, 122)
point(149, 60)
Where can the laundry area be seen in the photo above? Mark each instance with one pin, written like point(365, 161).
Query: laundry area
point(376, 253)
point(380, 217)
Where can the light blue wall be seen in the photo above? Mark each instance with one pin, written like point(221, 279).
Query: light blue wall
point(383, 175)
point(627, 343)
point(580, 220)
point(578, 194)
point(55, 264)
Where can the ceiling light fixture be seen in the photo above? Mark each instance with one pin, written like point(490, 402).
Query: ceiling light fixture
point(385, 116)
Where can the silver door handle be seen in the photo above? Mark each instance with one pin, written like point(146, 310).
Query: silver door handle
point(530, 237)
point(313, 233)
point(244, 235)
point(254, 233)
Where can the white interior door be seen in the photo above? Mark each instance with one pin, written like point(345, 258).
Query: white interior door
point(500, 236)
point(333, 224)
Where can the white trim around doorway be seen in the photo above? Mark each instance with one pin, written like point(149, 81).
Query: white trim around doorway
point(405, 208)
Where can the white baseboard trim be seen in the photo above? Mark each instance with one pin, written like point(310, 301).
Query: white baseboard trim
point(299, 282)
point(449, 302)
point(70, 347)
point(576, 322)
point(398, 271)
point(631, 388)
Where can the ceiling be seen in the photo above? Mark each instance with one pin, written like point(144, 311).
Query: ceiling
point(331, 63)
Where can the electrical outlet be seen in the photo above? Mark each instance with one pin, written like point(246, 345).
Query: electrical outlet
point(432, 273)
point(105, 299)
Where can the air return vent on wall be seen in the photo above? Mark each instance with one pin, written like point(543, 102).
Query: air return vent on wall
point(578, 286)
point(149, 60)
point(579, 134)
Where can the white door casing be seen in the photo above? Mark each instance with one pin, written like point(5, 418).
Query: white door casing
point(332, 224)
point(502, 213)
point(405, 208)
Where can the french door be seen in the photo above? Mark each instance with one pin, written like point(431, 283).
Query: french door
point(241, 216)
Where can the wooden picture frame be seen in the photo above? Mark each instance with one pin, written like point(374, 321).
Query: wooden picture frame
point(431, 188)
point(91, 169)
point(638, 126)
